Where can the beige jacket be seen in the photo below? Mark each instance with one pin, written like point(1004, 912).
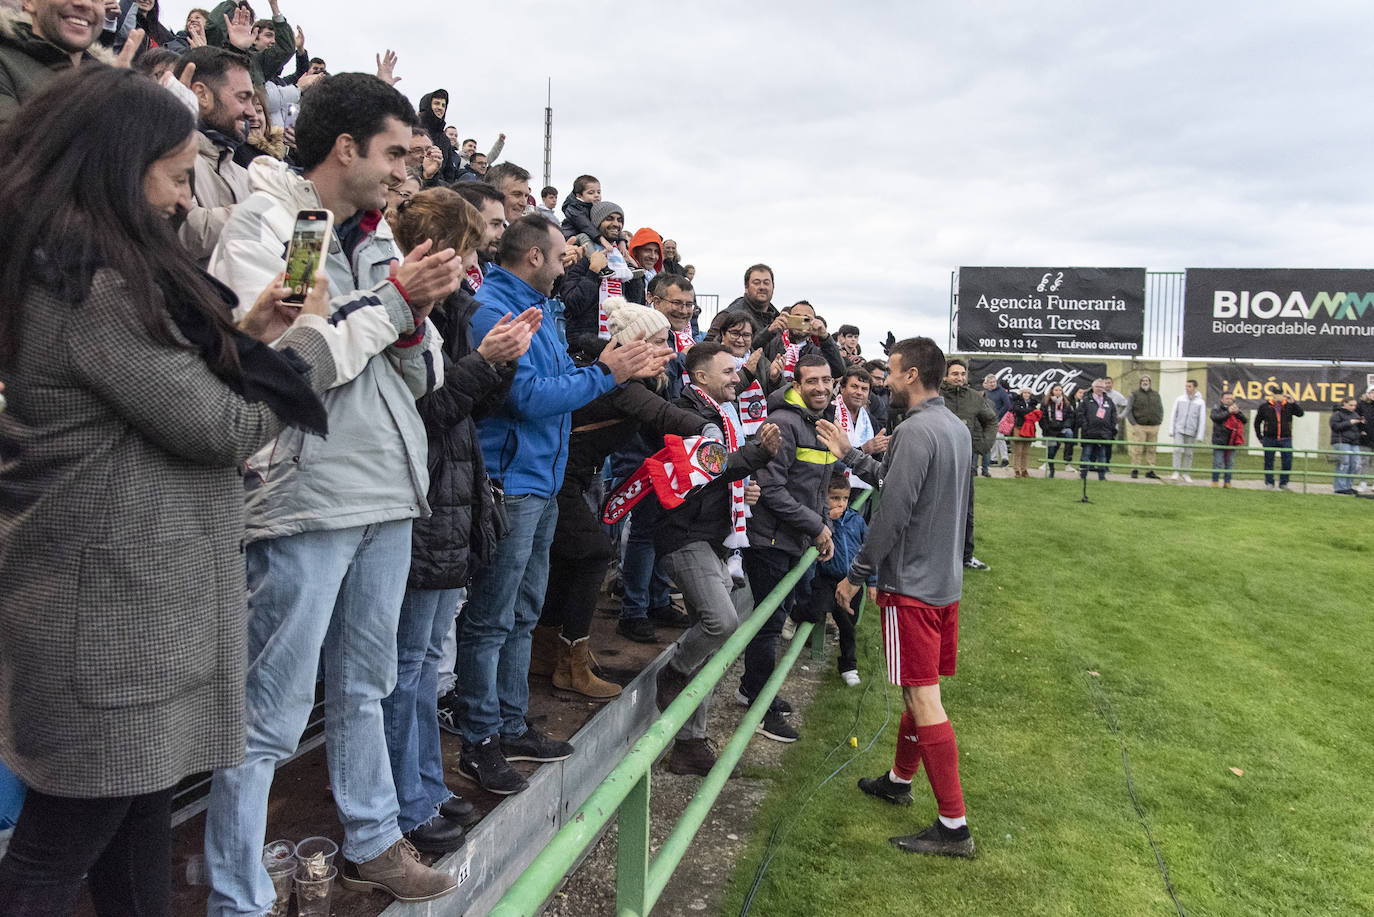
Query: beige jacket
point(220, 183)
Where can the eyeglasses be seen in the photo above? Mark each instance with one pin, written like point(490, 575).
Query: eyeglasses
point(677, 303)
point(744, 334)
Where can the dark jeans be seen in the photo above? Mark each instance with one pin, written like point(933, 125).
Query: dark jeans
point(765, 568)
point(577, 565)
point(968, 516)
point(1052, 448)
point(121, 846)
point(823, 603)
point(1270, 444)
point(1095, 456)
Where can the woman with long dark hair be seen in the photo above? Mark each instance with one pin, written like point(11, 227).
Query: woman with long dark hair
point(1056, 422)
point(133, 400)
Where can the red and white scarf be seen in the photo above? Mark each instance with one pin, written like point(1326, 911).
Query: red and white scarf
point(791, 353)
point(842, 418)
point(734, 436)
point(474, 275)
point(610, 286)
point(753, 408)
point(682, 342)
point(674, 472)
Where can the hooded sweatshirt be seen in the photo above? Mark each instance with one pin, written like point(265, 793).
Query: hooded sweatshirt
point(435, 125)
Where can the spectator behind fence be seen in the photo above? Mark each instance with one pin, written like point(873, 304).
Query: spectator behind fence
point(692, 539)
point(878, 394)
point(39, 44)
point(1096, 420)
point(432, 110)
point(1228, 430)
point(548, 199)
point(1056, 422)
point(851, 414)
point(224, 95)
point(1187, 423)
point(779, 340)
point(977, 414)
point(329, 523)
point(461, 524)
point(789, 518)
point(121, 508)
point(1144, 413)
point(1027, 414)
point(1000, 399)
point(525, 447)
point(757, 301)
point(1274, 426)
point(672, 264)
point(735, 332)
point(1347, 424)
point(849, 530)
point(581, 548)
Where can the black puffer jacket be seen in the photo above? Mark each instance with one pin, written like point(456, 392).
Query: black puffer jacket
point(705, 516)
point(792, 510)
point(1344, 429)
point(440, 545)
point(581, 295)
point(1055, 419)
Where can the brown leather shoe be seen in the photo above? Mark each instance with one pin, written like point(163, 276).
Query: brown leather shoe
point(694, 757)
point(574, 672)
point(544, 649)
point(399, 873)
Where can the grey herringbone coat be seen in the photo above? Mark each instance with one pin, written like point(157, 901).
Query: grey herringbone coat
point(122, 584)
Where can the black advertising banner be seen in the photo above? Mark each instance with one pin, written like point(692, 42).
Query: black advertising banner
point(1316, 387)
point(1057, 310)
point(1038, 377)
point(1288, 314)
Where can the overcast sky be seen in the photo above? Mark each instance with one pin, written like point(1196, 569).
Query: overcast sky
point(867, 150)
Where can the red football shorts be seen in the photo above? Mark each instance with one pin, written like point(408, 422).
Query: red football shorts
point(919, 640)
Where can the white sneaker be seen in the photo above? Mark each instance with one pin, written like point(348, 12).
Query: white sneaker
point(789, 629)
point(1187, 479)
point(734, 564)
point(1174, 476)
point(851, 677)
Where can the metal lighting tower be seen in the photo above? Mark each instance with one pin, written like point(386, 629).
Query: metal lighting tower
point(548, 137)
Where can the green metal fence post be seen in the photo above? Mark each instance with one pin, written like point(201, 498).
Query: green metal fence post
point(632, 858)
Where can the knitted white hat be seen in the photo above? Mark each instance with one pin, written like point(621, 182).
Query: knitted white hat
point(628, 321)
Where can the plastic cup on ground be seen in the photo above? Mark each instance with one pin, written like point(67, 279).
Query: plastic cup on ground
point(312, 845)
point(280, 859)
point(313, 895)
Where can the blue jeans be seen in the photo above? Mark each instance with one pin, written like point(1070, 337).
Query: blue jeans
point(504, 602)
point(765, 568)
point(1223, 459)
point(646, 585)
point(1347, 466)
point(1095, 455)
point(412, 728)
point(338, 591)
point(1270, 444)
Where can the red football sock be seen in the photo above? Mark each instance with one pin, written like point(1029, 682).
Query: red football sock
point(908, 758)
point(941, 755)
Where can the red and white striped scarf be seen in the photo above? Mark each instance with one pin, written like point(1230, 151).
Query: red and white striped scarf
point(734, 435)
point(682, 342)
point(610, 286)
point(842, 418)
point(792, 353)
point(753, 408)
point(474, 275)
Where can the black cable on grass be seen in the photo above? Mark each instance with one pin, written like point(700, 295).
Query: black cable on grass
point(783, 826)
point(1108, 713)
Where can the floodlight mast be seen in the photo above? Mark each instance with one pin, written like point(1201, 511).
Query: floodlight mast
point(548, 137)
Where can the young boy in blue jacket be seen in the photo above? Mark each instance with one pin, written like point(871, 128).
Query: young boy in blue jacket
point(848, 529)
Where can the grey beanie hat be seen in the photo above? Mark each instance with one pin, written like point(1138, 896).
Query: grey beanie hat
point(603, 209)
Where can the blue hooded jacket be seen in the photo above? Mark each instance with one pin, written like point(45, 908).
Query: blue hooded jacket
point(849, 531)
point(525, 444)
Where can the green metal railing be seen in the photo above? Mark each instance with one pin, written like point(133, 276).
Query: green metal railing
point(640, 878)
point(1304, 473)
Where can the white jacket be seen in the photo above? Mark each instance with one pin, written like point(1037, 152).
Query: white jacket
point(372, 467)
point(1189, 417)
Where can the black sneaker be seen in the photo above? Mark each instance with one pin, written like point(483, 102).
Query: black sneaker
point(448, 713)
point(899, 794)
point(535, 746)
point(669, 686)
point(640, 630)
point(778, 705)
point(484, 765)
point(775, 727)
point(937, 840)
point(1135, 472)
point(669, 616)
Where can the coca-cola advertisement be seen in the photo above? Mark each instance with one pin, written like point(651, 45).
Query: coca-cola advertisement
point(1038, 377)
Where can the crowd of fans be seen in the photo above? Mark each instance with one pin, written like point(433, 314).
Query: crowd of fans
point(216, 493)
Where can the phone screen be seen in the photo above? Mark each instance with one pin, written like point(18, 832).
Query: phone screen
point(308, 241)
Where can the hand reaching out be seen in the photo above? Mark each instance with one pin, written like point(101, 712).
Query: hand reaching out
point(833, 438)
point(635, 360)
point(386, 68)
point(240, 29)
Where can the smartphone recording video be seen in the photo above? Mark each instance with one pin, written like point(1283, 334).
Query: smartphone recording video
point(309, 242)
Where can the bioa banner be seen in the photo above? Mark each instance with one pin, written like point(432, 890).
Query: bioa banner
point(1316, 387)
point(1052, 310)
point(1279, 314)
point(1038, 377)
